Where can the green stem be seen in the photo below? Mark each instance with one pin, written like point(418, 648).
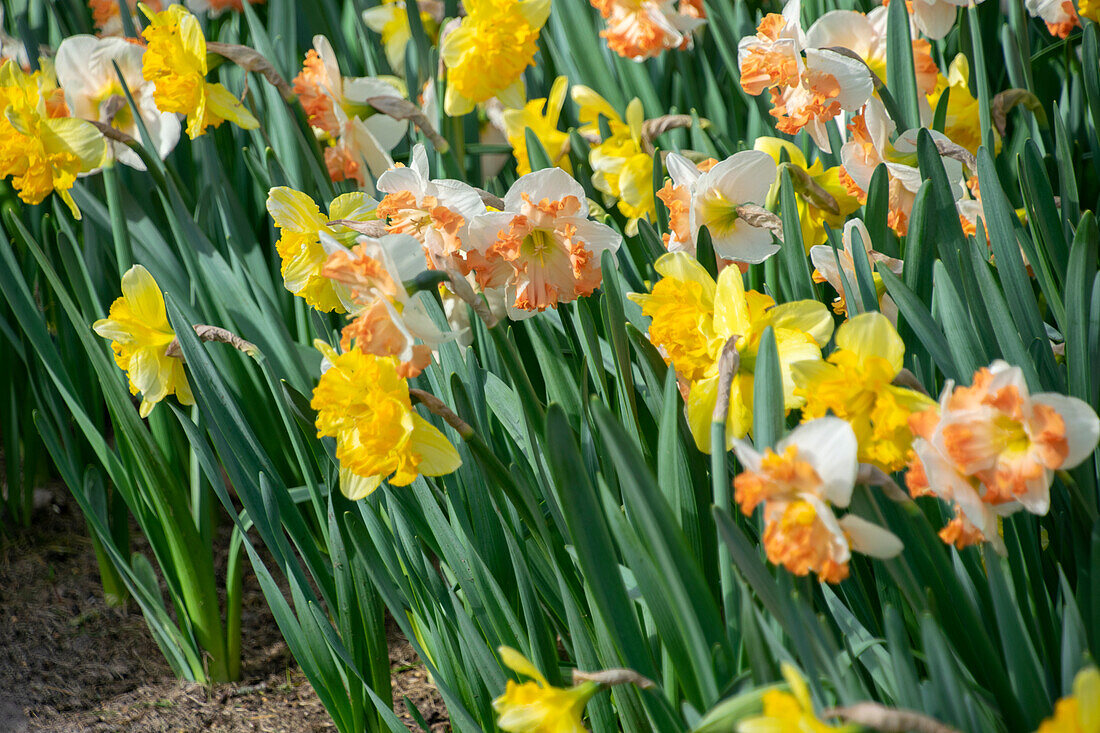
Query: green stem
point(234, 584)
point(120, 232)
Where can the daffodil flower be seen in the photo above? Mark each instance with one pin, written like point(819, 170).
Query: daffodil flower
point(364, 404)
point(810, 472)
point(486, 54)
point(13, 49)
point(1060, 16)
point(541, 116)
point(137, 325)
point(542, 248)
point(41, 148)
point(640, 30)
point(300, 225)
point(85, 68)
point(829, 266)
point(537, 706)
point(714, 197)
point(390, 20)
point(1080, 711)
point(358, 137)
point(789, 711)
point(855, 383)
point(962, 123)
point(692, 317)
point(812, 216)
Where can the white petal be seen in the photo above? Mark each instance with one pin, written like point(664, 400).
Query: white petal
point(852, 75)
point(682, 171)
point(549, 183)
point(844, 28)
point(745, 243)
point(1082, 425)
point(742, 178)
point(485, 229)
point(830, 446)
point(870, 539)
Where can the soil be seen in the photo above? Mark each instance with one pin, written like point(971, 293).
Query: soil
point(71, 663)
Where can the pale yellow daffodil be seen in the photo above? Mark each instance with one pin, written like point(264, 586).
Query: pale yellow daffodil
point(539, 707)
point(541, 116)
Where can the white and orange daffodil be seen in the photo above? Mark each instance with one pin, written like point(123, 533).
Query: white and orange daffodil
point(809, 86)
point(437, 213)
point(808, 474)
point(992, 448)
point(712, 199)
point(641, 29)
point(385, 319)
point(936, 18)
point(542, 248)
point(358, 138)
point(1060, 16)
point(692, 317)
point(13, 49)
point(870, 146)
point(828, 266)
point(85, 67)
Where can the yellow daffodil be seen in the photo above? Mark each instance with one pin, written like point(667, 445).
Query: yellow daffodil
point(856, 383)
point(486, 55)
point(538, 707)
point(812, 215)
point(623, 167)
point(789, 711)
point(391, 21)
point(175, 62)
point(41, 148)
point(1080, 712)
point(362, 402)
point(541, 115)
point(300, 224)
point(137, 325)
point(962, 124)
point(691, 319)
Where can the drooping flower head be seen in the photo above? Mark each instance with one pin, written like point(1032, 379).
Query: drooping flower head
point(486, 54)
point(641, 29)
point(175, 62)
point(855, 383)
point(137, 325)
point(41, 147)
point(810, 472)
point(542, 247)
point(364, 404)
point(357, 138)
point(300, 225)
point(86, 71)
point(692, 317)
point(537, 706)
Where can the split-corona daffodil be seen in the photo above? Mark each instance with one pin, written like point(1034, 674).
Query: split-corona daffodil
point(175, 62)
point(137, 325)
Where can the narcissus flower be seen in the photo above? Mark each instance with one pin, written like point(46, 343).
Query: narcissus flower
point(993, 447)
point(364, 404)
point(486, 55)
point(813, 213)
point(935, 18)
point(537, 706)
point(788, 711)
point(623, 161)
point(963, 124)
point(175, 62)
point(692, 317)
point(855, 383)
point(541, 115)
point(810, 471)
point(300, 225)
point(137, 325)
point(715, 195)
point(385, 319)
point(641, 29)
point(390, 20)
point(542, 247)
point(358, 139)
point(86, 71)
point(437, 213)
point(839, 269)
point(41, 148)
point(809, 86)
point(1059, 15)
point(1079, 712)
point(108, 20)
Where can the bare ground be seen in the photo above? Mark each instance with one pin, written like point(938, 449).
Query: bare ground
point(70, 663)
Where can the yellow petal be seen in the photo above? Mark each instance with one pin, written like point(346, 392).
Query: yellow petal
point(520, 664)
point(437, 456)
point(801, 315)
point(221, 103)
point(773, 146)
point(294, 211)
point(1086, 688)
point(871, 334)
point(591, 105)
point(682, 266)
point(556, 100)
point(357, 487)
point(731, 308)
point(144, 297)
point(352, 206)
